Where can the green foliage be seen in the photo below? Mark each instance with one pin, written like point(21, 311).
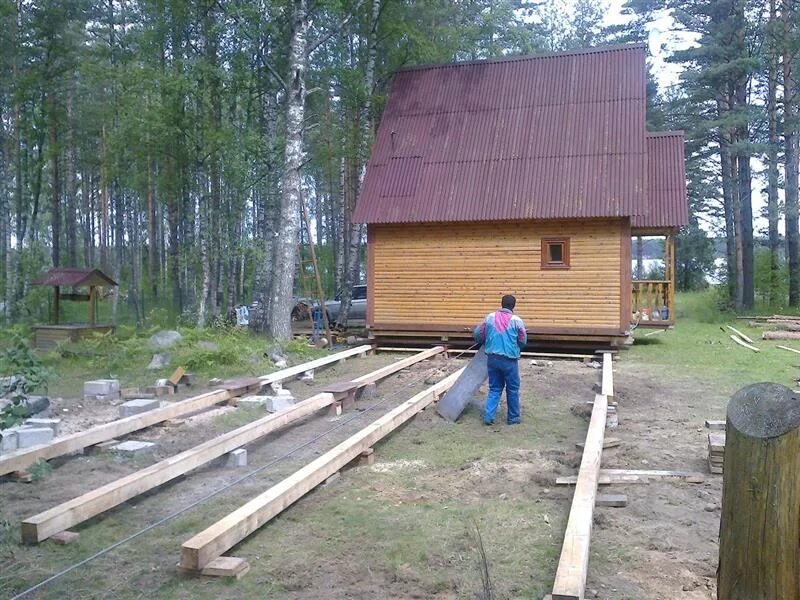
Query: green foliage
point(772, 286)
point(40, 470)
point(694, 258)
point(25, 374)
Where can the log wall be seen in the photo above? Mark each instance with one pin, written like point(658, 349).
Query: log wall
point(452, 274)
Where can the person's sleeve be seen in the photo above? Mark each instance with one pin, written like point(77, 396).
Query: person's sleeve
point(522, 334)
point(479, 333)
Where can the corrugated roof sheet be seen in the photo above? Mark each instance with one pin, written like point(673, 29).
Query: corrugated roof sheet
point(534, 137)
point(666, 182)
point(74, 277)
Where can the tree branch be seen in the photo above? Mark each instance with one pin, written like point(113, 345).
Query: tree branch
point(313, 47)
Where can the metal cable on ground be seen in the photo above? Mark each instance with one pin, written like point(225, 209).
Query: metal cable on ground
point(224, 488)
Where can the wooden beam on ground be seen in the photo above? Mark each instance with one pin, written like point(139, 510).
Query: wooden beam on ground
point(43, 525)
point(611, 500)
point(570, 582)
point(206, 546)
point(789, 349)
point(607, 389)
point(741, 342)
point(612, 476)
point(289, 372)
point(740, 334)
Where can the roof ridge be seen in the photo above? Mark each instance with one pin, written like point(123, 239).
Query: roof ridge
point(527, 57)
point(673, 133)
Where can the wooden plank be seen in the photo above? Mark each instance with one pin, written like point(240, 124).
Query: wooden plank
point(789, 349)
point(741, 342)
point(175, 378)
point(376, 376)
point(21, 459)
point(573, 565)
point(227, 566)
point(209, 544)
point(740, 334)
point(612, 476)
point(610, 442)
point(43, 525)
point(289, 372)
point(18, 461)
point(715, 425)
point(607, 389)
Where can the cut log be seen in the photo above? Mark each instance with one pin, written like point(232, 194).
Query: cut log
point(741, 342)
point(786, 325)
point(780, 335)
point(573, 565)
point(759, 554)
point(203, 548)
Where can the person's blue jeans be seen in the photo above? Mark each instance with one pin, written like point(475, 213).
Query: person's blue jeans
point(503, 373)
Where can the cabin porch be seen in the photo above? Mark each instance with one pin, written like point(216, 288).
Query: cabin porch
point(653, 287)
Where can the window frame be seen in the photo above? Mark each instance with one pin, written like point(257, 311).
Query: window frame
point(563, 264)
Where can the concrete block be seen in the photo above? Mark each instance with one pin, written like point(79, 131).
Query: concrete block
point(275, 387)
point(237, 458)
point(138, 406)
point(103, 387)
point(278, 403)
point(63, 538)
point(100, 447)
point(9, 441)
point(134, 448)
point(307, 376)
point(285, 393)
point(259, 401)
point(33, 436)
point(53, 424)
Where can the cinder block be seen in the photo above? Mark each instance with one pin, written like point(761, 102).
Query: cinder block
point(33, 436)
point(237, 458)
point(307, 376)
point(259, 401)
point(63, 538)
point(278, 403)
point(37, 423)
point(9, 441)
point(103, 387)
point(138, 406)
point(134, 448)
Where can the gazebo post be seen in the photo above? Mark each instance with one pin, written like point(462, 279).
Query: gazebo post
point(92, 291)
point(56, 301)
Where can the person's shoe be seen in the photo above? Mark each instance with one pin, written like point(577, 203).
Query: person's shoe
point(488, 422)
point(513, 422)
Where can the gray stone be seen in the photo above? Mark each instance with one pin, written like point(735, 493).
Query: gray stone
point(259, 401)
point(27, 437)
point(276, 355)
point(40, 422)
point(165, 339)
point(278, 403)
point(160, 361)
point(206, 345)
point(134, 448)
point(307, 376)
point(285, 393)
point(98, 387)
point(8, 440)
point(138, 406)
point(237, 458)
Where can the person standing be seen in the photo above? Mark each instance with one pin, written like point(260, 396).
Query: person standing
point(503, 335)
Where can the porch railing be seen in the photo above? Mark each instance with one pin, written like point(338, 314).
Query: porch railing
point(653, 302)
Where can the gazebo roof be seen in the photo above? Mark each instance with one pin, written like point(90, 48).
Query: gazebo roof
point(74, 277)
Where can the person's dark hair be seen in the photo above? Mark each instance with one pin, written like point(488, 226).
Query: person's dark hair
point(508, 302)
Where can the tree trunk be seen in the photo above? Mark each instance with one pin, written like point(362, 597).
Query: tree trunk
point(773, 210)
point(280, 324)
point(55, 189)
point(639, 257)
point(759, 554)
point(728, 205)
point(790, 158)
point(71, 183)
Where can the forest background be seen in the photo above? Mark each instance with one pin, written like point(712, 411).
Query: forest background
point(173, 143)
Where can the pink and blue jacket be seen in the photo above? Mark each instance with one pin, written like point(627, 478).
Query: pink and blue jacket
point(503, 333)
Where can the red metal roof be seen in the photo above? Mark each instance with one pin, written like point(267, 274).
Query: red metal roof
point(666, 182)
point(535, 137)
point(74, 277)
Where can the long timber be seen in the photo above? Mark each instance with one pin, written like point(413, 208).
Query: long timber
point(21, 459)
point(573, 565)
point(59, 518)
point(206, 546)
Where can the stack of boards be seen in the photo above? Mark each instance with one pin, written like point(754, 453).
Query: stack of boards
point(716, 451)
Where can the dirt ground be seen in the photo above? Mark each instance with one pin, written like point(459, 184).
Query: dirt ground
point(411, 525)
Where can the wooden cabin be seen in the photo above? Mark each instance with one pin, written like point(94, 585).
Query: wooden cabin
point(47, 337)
point(530, 176)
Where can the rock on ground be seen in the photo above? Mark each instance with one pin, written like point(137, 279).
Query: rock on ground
point(165, 339)
point(159, 361)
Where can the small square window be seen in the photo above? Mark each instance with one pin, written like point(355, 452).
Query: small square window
point(555, 253)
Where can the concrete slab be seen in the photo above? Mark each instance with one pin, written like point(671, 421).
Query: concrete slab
point(259, 401)
point(237, 458)
point(103, 387)
point(9, 441)
point(34, 422)
point(138, 406)
point(134, 448)
point(278, 403)
point(33, 436)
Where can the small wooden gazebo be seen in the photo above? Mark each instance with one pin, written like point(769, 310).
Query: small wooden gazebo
point(47, 336)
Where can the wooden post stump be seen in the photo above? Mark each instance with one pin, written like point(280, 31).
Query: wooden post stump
point(759, 553)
